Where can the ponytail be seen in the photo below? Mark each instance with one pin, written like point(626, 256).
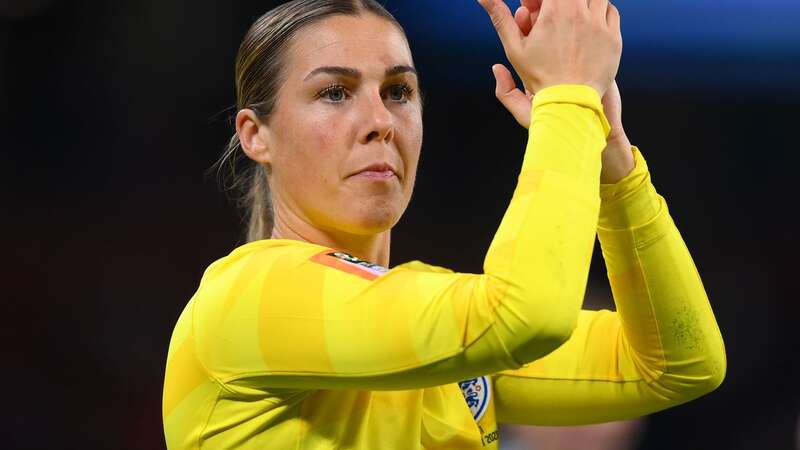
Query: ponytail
point(250, 192)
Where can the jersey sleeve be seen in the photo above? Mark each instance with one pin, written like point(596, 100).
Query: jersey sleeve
point(288, 318)
point(662, 346)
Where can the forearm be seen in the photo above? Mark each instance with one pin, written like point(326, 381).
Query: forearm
point(661, 348)
point(539, 259)
point(663, 307)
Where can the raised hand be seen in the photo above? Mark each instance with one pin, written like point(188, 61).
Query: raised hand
point(617, 157)
point(569, 41)
point(519, 103)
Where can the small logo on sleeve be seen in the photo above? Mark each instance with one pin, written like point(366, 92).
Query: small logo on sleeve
point(350, 264)
point(477, 393)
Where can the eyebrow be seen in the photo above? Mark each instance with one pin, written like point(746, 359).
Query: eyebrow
point(349, 72)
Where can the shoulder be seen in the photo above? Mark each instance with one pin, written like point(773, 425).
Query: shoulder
point(263, 254)
point(288, 263)
point(420, 266)
point(234, 286)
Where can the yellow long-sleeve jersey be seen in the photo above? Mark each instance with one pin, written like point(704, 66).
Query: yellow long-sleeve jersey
point(290, 345)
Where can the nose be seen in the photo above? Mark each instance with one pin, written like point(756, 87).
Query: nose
point(378, 121)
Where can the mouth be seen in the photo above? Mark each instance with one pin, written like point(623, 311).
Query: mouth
point(377, 171)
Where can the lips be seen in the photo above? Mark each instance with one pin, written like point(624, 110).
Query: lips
point(377, 171)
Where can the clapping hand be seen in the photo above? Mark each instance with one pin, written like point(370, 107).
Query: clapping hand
point(617, 158)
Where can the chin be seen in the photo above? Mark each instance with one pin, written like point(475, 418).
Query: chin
point(374, 218)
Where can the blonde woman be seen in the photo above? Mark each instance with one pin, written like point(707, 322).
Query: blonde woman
point(304, 339)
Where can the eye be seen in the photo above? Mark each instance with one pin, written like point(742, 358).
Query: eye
point(400, 92)
point(336, 93)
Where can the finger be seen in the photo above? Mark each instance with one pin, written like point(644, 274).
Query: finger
point(547, 8)
point(504, 80)
point(514, 100)
point(503, 22)
point(535, 9)
point(599, 8)
point(532, 5)
point(612, 17)
point(523, 19)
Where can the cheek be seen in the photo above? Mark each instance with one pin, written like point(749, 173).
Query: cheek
point(313, 149)
point(410, 151)
point(323, 145)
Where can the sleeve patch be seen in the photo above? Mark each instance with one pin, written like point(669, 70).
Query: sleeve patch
point(350, 264)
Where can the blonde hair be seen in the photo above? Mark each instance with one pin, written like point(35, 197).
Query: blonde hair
point(259, 75)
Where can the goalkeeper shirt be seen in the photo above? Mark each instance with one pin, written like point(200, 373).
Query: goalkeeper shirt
point(291, 345)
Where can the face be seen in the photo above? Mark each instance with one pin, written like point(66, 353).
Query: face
point(344, 138)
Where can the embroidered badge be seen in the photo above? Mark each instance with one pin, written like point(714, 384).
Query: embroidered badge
point(477, 393)
point(350, 264)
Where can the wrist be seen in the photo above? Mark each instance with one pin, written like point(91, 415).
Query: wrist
point(581, 95)
point(632, 202)
point(618, 159)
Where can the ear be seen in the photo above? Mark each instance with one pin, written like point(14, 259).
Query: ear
point(253, 136)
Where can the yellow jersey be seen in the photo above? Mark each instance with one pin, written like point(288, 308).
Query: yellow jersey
point(290, 345)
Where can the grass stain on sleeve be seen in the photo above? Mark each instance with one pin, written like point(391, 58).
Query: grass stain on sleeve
point(686, 330)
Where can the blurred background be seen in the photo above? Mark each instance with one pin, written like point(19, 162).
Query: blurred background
point(111, 112)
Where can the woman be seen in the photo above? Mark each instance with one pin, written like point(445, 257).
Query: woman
point(302, 339)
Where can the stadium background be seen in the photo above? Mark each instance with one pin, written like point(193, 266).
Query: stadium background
point(112, 111)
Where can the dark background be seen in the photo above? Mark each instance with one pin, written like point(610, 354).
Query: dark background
point(112, 112)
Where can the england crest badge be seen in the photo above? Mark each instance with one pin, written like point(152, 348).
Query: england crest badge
point(477, 393)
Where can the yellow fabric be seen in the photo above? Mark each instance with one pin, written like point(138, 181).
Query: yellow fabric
point(285, 346)
point(662, 346)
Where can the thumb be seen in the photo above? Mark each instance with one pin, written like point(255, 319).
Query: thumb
point(513, 99)
point(504, 23)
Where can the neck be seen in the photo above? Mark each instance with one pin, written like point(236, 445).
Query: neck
point(372, 248)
